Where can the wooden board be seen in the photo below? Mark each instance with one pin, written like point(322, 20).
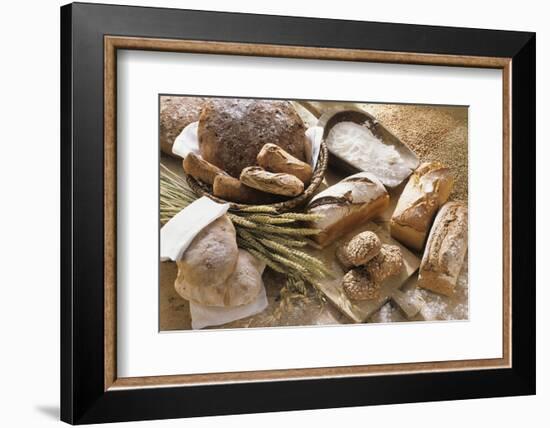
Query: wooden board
point(360, 311)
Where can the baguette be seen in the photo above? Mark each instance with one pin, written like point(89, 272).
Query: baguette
point(231, 189)
point(201, 170)
point(347, 204)
point(428, 188)
point(275, 159)
point(445, 250)
point(275, 183)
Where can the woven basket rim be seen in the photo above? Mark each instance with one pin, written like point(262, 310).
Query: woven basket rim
point(318, 174)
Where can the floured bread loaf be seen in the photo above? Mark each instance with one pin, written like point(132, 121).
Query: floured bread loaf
point(428, 188)
point(208, 261)
point(240, 288)
point(349, 203)
point(233, 131)
point(445, 249)
point(175, 114)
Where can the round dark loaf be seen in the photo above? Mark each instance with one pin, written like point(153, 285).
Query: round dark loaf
point(233, 131)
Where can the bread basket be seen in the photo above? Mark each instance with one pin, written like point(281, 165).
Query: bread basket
point(202, 189)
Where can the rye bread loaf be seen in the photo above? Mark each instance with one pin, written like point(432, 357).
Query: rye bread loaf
point(175, 114)
point(233, 131)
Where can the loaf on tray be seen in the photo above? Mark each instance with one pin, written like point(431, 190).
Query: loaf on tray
point(445, 250)
point(347, 204)
point(428, 188)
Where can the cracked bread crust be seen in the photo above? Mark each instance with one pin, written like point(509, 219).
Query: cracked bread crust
point(445, 250)
point(233, 131)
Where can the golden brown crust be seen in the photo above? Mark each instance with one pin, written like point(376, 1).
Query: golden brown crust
point(269, 182)
point(427, 189)
point(175, 114)
point(233, 131)
point(275, 159)
point(200, 169)
point(231, 189)
point(445, 249)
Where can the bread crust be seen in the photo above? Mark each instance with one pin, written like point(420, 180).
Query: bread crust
point(428, 188)
point(445, 250)
point(347, 204)
point(200, 169)
point(175, 114)
point(233, 131)
point(275, 159)
point(270, 182)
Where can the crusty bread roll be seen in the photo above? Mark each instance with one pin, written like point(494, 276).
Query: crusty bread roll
point(349, 203)
point(175, 114)
point(231, 189)
point(274, 159)
point(269, 182)
point(445, 249)
point(240, 288)
point(199, 169)
point(208, 261)
point(359, 250)
point(388, 262)
point(428, 188)
point(233, 131)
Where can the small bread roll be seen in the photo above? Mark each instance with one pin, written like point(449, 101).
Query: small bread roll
point(275, 159)
point(428, 188)
point(240, 288)
point(231, 189)
point(445, 250)
point(386, 263)
point(358, 285)
point(359, 249)
point(209, 260)
point(199, 169)
point(276, 183)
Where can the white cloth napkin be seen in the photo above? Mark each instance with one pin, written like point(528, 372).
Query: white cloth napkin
point(188, 142)
point(177, 234)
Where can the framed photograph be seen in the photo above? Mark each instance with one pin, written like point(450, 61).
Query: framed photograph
point(273, 213)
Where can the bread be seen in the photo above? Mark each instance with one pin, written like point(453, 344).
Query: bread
point(358, 285)
point(231, 189)
point(200, 169)
point(388, 262)
point(359, 249)
point(428, 188)
point(274, 159)
point(208, 261)
point(233, 131)
point(269, 182)
point(240, 288)
point(175, 114)
point(347, 204)
point(445, 250)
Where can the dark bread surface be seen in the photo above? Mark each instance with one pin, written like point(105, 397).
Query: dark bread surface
point(233, 131)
